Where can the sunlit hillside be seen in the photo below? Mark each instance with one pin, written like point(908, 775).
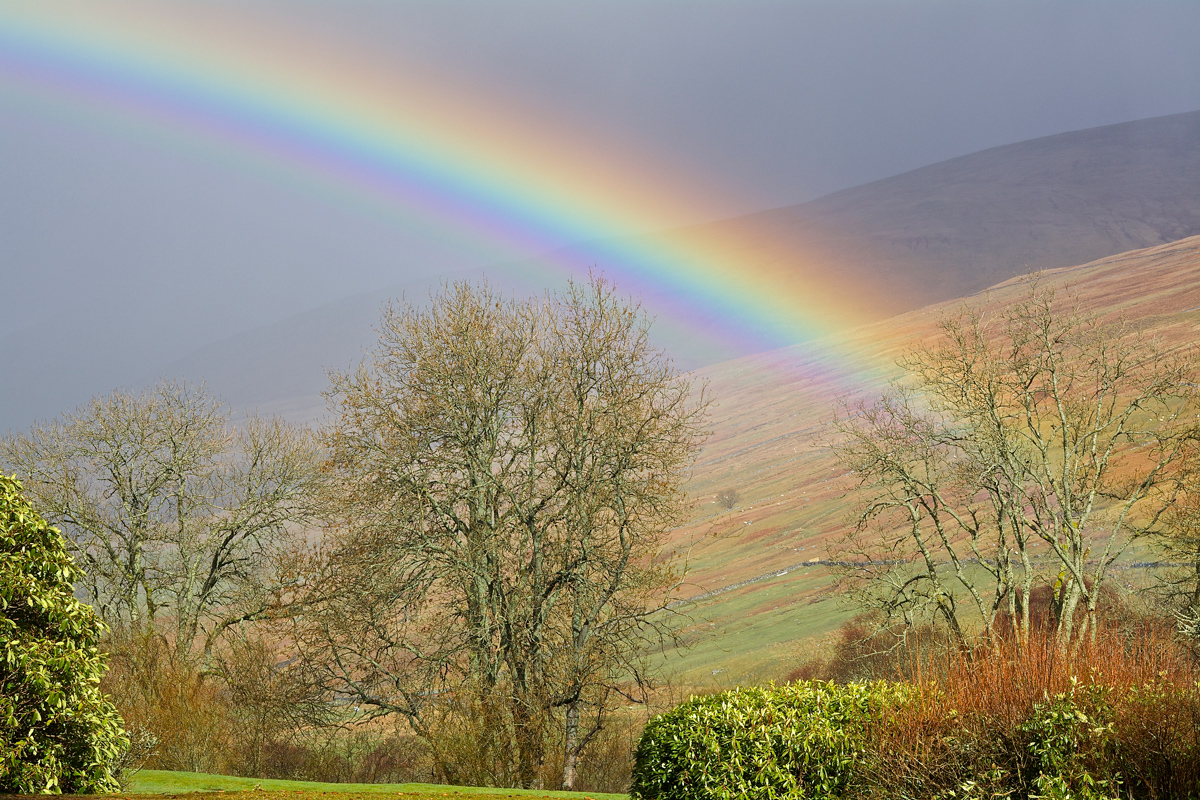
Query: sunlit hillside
point(755, 572)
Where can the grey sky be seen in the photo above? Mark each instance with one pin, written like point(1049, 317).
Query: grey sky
point(784, 101)
point(120, 253)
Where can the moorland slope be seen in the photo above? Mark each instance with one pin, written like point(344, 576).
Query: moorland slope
point(958, 226)
point(759, 590)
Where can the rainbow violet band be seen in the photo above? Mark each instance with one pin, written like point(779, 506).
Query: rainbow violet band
point(326, 117)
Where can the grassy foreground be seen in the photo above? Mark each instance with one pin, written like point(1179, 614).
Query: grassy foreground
point(153, 782)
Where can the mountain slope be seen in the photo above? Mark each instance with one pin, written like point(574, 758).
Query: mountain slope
point(953, 228)
point(748, 565)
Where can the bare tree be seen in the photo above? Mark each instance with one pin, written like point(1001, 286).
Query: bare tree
point(503, 475)
point(179, 517)
point(1041, 427)
point(1179, 583)
point(729, 498)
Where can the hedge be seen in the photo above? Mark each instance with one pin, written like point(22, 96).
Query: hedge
point(795, 741)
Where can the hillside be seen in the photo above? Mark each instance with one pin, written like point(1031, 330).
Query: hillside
point(756, 598)
point(932, 234)
point(955, 227)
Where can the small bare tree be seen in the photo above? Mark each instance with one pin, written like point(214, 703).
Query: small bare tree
point(1041, 427)
point(179, 518)
point(728, 498)
point(503, 474)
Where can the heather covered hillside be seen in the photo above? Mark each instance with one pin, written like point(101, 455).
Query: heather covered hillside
point(958, 226)
point(758, 592)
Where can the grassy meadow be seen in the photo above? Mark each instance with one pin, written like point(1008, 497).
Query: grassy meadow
point(162, 783)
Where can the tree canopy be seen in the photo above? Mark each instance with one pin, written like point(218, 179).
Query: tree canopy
point(181, 518)
point(503, 474)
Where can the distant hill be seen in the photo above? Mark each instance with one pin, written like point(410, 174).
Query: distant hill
point(749, 565)
point(282, 368)
point(955, 227)
point(932, 234)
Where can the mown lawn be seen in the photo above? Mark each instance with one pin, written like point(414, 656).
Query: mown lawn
point(151, 783)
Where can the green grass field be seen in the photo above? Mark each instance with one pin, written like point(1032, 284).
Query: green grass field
point(756, 633)
point(161, 783)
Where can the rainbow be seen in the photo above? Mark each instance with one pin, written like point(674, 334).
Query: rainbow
point(316, 113)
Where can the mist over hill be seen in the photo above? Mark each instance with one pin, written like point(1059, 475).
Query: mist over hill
point(932, 234)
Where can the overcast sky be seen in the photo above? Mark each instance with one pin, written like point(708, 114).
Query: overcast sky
point(780, 102)
point(152, 251)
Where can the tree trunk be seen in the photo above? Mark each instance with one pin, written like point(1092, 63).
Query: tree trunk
point(529, 748)
point(571, 747)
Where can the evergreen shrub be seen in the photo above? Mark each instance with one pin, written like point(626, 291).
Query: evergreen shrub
point(58, 733)
point(796, 741)
point(954, 740)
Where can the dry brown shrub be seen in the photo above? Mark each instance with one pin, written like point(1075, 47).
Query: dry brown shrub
point(607, 764)
point(160, 690)
point(972, 721)
point(271, 705)
point(360, 756)
point(863, 651)
point(968, 721)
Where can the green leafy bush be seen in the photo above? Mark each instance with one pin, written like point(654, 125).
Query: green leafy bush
point(1070, 739)
point(58, 733)
point(982, 732)
point(795, 741)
